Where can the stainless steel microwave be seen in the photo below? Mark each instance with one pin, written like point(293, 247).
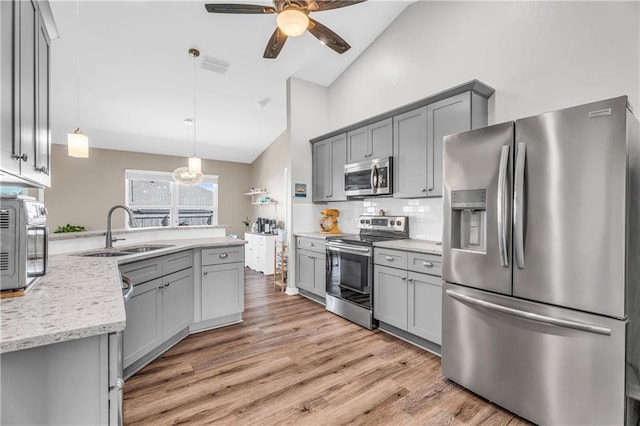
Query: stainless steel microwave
point(23, 243)
point(367, 178)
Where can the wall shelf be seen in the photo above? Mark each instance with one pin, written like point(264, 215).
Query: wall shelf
point(257, 195)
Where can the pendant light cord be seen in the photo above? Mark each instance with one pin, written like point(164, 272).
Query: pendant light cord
point(78, 64)
point(194, 105)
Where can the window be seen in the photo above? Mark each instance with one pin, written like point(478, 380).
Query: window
point(156, 200)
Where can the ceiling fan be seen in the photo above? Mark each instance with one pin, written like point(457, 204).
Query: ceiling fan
point(293, 19)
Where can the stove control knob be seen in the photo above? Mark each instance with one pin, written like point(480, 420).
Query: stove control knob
point(367, 221)
point(393, 223)
point(398, 222)
point(361, 220)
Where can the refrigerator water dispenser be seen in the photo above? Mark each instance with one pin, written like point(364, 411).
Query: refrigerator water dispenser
point(469, 220)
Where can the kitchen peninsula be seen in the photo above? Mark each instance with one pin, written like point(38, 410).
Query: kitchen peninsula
point(54, 341)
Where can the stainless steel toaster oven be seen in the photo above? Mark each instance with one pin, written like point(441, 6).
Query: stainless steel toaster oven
point(23, 241)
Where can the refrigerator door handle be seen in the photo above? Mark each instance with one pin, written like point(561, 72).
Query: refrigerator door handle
point(518, 205)
point(502, 206)
point(590, 328)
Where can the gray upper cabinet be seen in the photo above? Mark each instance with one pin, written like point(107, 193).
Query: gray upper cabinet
point(410, 154)
point(418, 136)
point(452, 115)
point(329, 158)
point(24, 108)
point(411, 134)
point(369, 142)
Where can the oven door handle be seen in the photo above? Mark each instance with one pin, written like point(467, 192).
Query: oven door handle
point(359, 251)
point(340, 246)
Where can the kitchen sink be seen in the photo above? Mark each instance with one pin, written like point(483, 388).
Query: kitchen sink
point(104, 254)
point(142, 249)
point(124, 251)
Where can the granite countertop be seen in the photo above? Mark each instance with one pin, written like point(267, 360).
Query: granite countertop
point(320, 235)
point(101, 233)
point(79, 297)
point(420, 246)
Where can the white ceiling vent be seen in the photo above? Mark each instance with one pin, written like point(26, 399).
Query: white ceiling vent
point(215, 65)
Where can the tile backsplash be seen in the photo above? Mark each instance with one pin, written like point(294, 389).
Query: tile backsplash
point(425, 214)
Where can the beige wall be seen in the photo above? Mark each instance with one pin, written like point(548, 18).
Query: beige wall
point(83, 190)
point(268, 171)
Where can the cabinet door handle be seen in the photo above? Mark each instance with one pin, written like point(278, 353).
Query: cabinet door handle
point(423, 190)
point(311, 244)
point(427, 264)
point(167, 284)
point(410, 280)
point(223, 255)
point(42, 170)
point(205, 273)
point(404, 278)
point(23, 157)
point(389, 258)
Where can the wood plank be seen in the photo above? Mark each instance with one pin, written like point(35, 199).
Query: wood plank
point(292, 362)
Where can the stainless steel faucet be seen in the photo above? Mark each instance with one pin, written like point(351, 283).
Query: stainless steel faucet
point(132, 222)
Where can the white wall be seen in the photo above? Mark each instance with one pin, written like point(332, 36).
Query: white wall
point(307, 117)
point(539, 56)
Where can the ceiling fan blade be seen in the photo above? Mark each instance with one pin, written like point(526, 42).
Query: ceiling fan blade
point(238, 8)
point(328, 37)
point(320, 5)
point(274, 46)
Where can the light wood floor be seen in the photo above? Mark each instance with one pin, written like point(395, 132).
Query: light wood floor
point(291, 362)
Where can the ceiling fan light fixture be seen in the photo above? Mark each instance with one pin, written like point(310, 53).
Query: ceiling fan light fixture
point(77, 144)
point(292, 22)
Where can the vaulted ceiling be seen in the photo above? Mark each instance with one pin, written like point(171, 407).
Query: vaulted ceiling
point(136, 77)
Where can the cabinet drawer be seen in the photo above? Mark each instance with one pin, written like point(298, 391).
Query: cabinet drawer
point(220, 255)
point(425, 263)
point(392, 258)
point(311, 244)
point(142, 271)
point(177, 262)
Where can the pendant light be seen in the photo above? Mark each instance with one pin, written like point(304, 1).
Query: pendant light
point(192, 174)
point(195, 165)
point(77, 142)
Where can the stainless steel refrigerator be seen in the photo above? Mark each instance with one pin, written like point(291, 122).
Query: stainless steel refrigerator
point(541, 300)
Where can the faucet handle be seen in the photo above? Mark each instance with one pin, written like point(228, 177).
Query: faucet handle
point(113, 240)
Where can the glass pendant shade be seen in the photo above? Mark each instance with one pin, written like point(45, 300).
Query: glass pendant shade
point(77, 144)
point(183, 176)
point(195, 165)
point(292, 22)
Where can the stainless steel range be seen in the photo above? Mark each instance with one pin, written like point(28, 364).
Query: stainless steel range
point(350, 267)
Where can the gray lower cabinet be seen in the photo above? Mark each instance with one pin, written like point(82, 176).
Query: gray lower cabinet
point(176, 302)
point(407, 292)
point(222, 285)
point(329, 158)
point(63, 383)
point(222, 290)
point(424, 317)
point(161, 306)
point(144, 321)
point(310, 272)
point(390, 296)
point(311, 266)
